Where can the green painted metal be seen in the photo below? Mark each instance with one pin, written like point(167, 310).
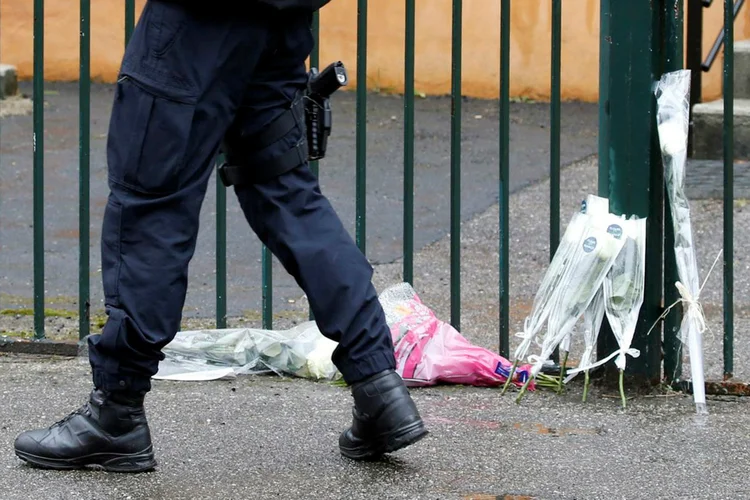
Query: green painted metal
point(361, 133)
point(38, 176)
point(409, 143)
point(84, 112)
point(673, 61)
point(266, 263)
point(456, 166)
point(636, 179)
point(606, 342)
point(554, 185)
point(554, 206)
point(605, 41)
point(221, 251)
point(129, 19)
point(728, 138)
point(504, 197)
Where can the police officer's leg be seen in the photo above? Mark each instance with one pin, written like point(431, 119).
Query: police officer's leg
point(183, 77)
point(298, 224)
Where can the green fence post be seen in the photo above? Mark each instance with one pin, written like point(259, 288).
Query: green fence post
point(361, 131)
point(673, 61)
point(554, 217)
point(129, 20)
point(38, 168)
point(604, 43)
point(315, 63)
point(409, 30)
point(728, 138)
point(635, 170)
point(267, 287)
point(554, 166)
point(504, 195)
point(606, 342)
point(84, 218)
point(456, 165)
point(221, 250)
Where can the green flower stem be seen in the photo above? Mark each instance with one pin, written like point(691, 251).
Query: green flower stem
point(523, 390)
point(622, 390)
point(510, 377)
point(586, 386)
point(562, 372)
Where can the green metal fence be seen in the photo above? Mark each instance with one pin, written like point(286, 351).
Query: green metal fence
point(629, 65)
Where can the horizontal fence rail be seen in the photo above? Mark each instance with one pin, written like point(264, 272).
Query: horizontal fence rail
point(674, 33)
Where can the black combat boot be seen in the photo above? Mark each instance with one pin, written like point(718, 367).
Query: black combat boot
point(385, 418)
point(110, 431)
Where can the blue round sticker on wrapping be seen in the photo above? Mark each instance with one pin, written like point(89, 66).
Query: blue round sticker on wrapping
point(589, 245)
point(615, 230)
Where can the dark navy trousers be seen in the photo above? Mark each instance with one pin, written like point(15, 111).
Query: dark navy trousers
point(191, 78)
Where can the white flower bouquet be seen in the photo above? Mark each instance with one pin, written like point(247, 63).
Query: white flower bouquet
point(673, 112)
point(593, 256)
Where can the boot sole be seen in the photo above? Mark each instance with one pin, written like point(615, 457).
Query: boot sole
point(111, 462)
point(388, 443)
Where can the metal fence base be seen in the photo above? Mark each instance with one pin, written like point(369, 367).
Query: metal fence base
point(44, 347)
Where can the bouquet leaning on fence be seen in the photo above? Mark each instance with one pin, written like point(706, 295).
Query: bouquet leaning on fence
point(549, 287)
point(623, 289)
point(673, 115)
point(592, 258)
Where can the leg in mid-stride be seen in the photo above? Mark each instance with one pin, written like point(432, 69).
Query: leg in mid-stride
point(192, 81)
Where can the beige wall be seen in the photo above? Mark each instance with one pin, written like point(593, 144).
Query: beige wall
point(530, 41)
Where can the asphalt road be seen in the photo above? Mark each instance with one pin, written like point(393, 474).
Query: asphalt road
point(384, 200)
point(268, 437)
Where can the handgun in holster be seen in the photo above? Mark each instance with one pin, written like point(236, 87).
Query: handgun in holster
point(318, 116)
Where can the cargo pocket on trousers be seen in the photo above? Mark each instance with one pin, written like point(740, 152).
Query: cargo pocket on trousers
point(148, 139)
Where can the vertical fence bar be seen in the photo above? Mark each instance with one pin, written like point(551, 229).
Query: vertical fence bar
point(554, 186)
point(728, 137)
point(315, 63)
point(694, 57)
point(129, 19)
point(409, 143)
point(456, 166)
point(606, 342)
point(554, 219)
point(361, 133)
point(673, 61)
point(504, 202)
point(266, 261)
point(605, 41)
point(84, 111)
point(221, 251)
point(38, 176)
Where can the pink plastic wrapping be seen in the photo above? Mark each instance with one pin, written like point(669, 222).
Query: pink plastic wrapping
point(430, 351)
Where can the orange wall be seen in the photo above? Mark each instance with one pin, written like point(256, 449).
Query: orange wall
point(530, 40)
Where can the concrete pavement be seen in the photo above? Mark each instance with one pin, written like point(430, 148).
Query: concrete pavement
point(266, 437)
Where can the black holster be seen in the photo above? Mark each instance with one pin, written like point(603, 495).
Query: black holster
point(311, 110)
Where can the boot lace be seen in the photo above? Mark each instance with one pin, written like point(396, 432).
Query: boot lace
point(83, 410)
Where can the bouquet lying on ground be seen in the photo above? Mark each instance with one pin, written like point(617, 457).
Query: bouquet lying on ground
point(428, 350)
